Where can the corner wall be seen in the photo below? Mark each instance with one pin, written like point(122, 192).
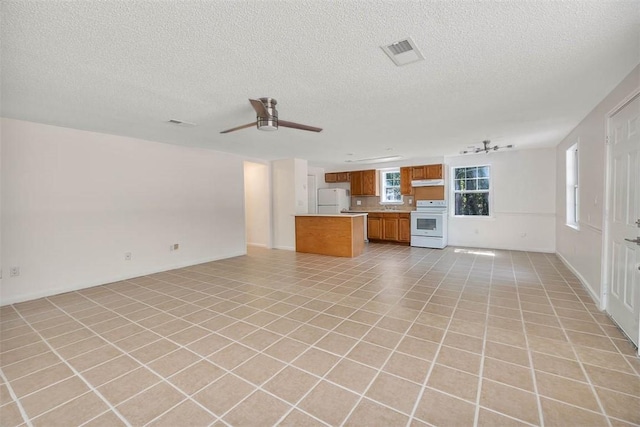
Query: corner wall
point(73, 202)
point(289, 184)
point(581, 249)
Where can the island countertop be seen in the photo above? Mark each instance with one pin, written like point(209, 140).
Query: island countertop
point(331, 234)
point(341, 215)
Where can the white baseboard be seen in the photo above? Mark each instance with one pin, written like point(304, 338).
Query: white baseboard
point(583, 281)
point(505, 248)
point(257, 245)
point(84, 285)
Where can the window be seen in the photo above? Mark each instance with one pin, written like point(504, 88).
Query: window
point(390, 186)
point(572, 186)
point(471, 187)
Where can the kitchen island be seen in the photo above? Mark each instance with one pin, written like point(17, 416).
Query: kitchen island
point(331, 234)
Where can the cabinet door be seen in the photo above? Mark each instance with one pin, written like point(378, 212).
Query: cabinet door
point(433, 171)
point(404, 230)
point(374, 228)
point(330, 177)
point(389, 228)
point(342, 176)
point(418, 172)
point(356, 183)
point(405, 182)
point(369, 183)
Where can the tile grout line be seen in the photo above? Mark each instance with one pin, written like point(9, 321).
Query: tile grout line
point(476, 416)
point(324, 293)
point(577, 357)
point(440, 344)
point(15, 399)
point(125, 353)
point(76, 374)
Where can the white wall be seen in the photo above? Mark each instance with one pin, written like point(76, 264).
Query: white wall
point(257, 195)
point(581, 249)
point(522, 206)
point(289, 190)
point(73, 202)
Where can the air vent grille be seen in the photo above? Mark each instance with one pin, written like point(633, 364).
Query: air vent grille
point(400, 47)
point(403, 52)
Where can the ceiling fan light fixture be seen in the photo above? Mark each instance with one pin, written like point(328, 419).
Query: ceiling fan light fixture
point(485, 149)
point(267, 123)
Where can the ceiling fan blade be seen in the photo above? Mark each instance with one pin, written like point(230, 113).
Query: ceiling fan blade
point(248, 125)
point(298, 126)
point(259, 107)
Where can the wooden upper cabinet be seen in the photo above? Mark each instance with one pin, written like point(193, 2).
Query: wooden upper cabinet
point(418, 172)
point(370, 182)
point(330, 177)
point(356, 183)
point(336, 177)
point(343, 176)
point(433, 171)
point(364, 183)
point(426, 172)
point(405, 181)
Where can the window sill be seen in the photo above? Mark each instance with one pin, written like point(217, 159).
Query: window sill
point(482, 217)
point(573, 226)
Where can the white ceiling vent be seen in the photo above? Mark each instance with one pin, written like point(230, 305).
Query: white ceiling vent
point(181, 123)
point(403, 52)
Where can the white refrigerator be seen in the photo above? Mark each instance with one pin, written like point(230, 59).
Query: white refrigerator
point(333, 200)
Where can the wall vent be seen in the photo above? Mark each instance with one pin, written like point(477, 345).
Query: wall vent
point(403, 52)
point(375, 159)
point(181, 123)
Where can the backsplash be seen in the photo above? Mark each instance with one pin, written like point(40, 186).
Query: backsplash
point(371, 203)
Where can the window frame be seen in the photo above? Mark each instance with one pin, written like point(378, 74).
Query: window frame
point(383, 187)
point(572, 190)
point(488, 191)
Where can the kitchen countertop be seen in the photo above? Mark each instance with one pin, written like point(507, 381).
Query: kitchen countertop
point(341, 215)
point(379, 211)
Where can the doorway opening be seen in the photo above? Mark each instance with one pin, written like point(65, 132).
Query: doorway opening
point(257, 205)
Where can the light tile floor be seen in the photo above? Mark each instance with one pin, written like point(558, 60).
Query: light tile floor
point(398, 336)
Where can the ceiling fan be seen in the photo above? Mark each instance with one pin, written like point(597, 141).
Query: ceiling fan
point(267, 118)
point(486, 148)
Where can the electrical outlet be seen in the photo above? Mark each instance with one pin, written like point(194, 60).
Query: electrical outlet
point(127, 256)
point(14, 272)
point(358, 202)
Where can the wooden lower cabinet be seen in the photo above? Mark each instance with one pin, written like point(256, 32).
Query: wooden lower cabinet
point(404, 228)
point(374, 227)
point(389, 227)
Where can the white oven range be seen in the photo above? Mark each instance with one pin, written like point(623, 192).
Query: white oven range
point(429, 224)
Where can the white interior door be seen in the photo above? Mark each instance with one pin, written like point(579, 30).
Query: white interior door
point(623, 303)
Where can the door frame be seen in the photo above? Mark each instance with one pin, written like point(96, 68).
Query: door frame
point(608, 190)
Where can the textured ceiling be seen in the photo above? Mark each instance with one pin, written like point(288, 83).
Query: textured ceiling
point(515, 72)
